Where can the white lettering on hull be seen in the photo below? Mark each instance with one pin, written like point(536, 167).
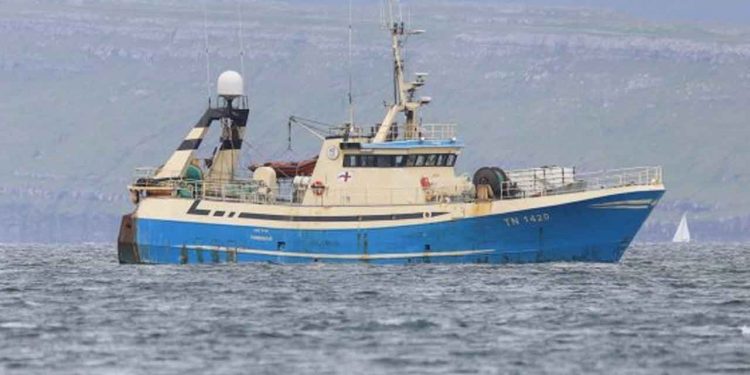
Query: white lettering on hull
point(527, 219)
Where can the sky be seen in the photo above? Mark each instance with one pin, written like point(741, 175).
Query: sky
point(708, 11)
point(735, 12)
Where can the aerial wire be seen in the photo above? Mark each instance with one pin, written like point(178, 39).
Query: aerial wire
point(382, 14)
point(351, 100)
point(208, 58)
point(241, 40)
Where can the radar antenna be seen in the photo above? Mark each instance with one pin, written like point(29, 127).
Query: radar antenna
point(403, 91)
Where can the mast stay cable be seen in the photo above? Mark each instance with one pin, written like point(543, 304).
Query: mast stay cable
point(208, 58)
point(351, 101)
point(240, 38)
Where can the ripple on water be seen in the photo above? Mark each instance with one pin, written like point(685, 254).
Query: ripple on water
point(663, 309)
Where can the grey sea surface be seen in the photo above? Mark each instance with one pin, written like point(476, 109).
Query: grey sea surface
point(663, 309)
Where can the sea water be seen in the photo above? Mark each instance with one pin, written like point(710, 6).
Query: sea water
point(662, 309)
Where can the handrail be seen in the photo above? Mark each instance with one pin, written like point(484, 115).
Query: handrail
point(438, 131)
point(525, 183)
point(260, 194)
point(546, 181)
point(145, 172)
point(427, 131)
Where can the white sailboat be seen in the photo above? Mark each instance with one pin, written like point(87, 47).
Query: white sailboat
point(683, 231)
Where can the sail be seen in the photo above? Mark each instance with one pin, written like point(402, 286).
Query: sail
point(683, 232)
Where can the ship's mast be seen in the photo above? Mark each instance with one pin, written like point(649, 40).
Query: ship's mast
point(404, 92)
point(351, 101)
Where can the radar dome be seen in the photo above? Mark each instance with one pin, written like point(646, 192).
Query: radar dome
point(230, 84)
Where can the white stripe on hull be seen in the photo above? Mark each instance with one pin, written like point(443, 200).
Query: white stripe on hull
point(281, 253)
point(175, 209)
point(633, 204)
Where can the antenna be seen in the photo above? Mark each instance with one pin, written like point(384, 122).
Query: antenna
point(241, 39)
point(289, 135)
point(208, 58)
point(382, 14)
point(403, 90)
point(405, 52)
point(390, 13)
point(351, 101)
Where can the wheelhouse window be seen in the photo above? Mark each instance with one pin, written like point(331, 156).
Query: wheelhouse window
point(450, 160)
point(369, 161)
point(398, 161)
point(385, 161)
point(351, 160)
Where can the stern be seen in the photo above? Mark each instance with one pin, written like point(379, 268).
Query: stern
point(127, 248)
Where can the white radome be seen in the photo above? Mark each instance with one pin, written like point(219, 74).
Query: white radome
point(230, 84)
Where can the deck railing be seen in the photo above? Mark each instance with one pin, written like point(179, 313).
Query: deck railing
point(623, 177)
point(428, 132)
point(256, 192)
point(438, 131)
point(145, 173)
point(536, 182)
point(528, 183)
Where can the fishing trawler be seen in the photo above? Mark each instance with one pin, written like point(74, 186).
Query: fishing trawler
point(383, 194)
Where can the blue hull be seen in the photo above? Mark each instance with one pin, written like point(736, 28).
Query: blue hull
point(597, 230)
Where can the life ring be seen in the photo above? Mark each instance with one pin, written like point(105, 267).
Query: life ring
point(425, 183)
point(318, 188)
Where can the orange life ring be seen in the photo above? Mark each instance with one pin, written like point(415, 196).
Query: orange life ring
point(318, 188)
point(425, 182)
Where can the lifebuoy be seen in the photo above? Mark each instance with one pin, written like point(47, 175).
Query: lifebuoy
point(318, 188)
point(425, 182)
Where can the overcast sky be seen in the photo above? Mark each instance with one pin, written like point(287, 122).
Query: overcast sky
point(707, 11)
point(712, 11)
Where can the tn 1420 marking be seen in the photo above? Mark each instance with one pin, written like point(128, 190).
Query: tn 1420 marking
point(526, 219)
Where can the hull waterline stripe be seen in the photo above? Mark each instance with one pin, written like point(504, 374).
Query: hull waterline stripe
point(246, 215)
point(635, 204)
point(194, 210)
point(341, 256)
point(621, 207)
